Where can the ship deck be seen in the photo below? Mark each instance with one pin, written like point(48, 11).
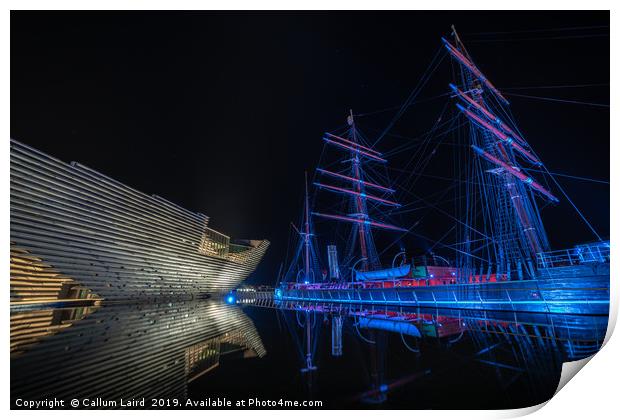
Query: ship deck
point(583, 295)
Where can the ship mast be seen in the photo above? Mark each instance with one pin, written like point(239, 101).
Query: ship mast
point(306, 233)
point(511, 211)
point(304, 265)
point(354, 183)
point(360, 201)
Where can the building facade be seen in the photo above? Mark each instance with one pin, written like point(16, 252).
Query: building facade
point(76, 233)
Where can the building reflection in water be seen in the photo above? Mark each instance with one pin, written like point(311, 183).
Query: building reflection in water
point(115, 352)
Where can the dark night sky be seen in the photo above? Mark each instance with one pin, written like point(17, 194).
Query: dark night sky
point(221, 113)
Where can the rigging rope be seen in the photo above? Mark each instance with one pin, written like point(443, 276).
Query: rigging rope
point(478, 41)
point(573, 28)
point(581, 178)
point(568, 101)
point(425, 77)
point(574, 206)
point(556, 86)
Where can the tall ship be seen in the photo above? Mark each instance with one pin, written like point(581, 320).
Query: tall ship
point(494, 254)
point(77, 234)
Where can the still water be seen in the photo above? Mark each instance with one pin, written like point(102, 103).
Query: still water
point(207, 352)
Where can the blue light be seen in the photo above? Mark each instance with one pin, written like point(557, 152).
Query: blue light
point(278, 293)
point(230, 299)
point(306, 282)
point(383, 388)
point(432, 275)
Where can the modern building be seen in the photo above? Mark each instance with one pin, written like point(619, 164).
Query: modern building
point(78, 234)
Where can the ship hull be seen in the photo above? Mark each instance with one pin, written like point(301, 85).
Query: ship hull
point(72, 227)
point(575, 295)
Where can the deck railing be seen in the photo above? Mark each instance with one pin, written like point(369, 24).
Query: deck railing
point(597, 252)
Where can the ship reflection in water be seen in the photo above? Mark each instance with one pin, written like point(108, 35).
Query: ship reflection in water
point(346, 356)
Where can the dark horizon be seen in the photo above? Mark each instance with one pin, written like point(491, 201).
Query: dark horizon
point(222, 112)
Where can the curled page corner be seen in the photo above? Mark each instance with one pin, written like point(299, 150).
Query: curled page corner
point(516, 412)
point(569, 370)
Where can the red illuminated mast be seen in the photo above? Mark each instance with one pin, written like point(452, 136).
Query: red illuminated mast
point(518, 234)
point(360, 203)
point(357, 187)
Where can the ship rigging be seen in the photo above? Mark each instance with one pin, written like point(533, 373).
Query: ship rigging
point(494, 222)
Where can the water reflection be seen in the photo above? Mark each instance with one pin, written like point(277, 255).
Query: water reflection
point(348, 356)
point(114, 352)
point(521, 353)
